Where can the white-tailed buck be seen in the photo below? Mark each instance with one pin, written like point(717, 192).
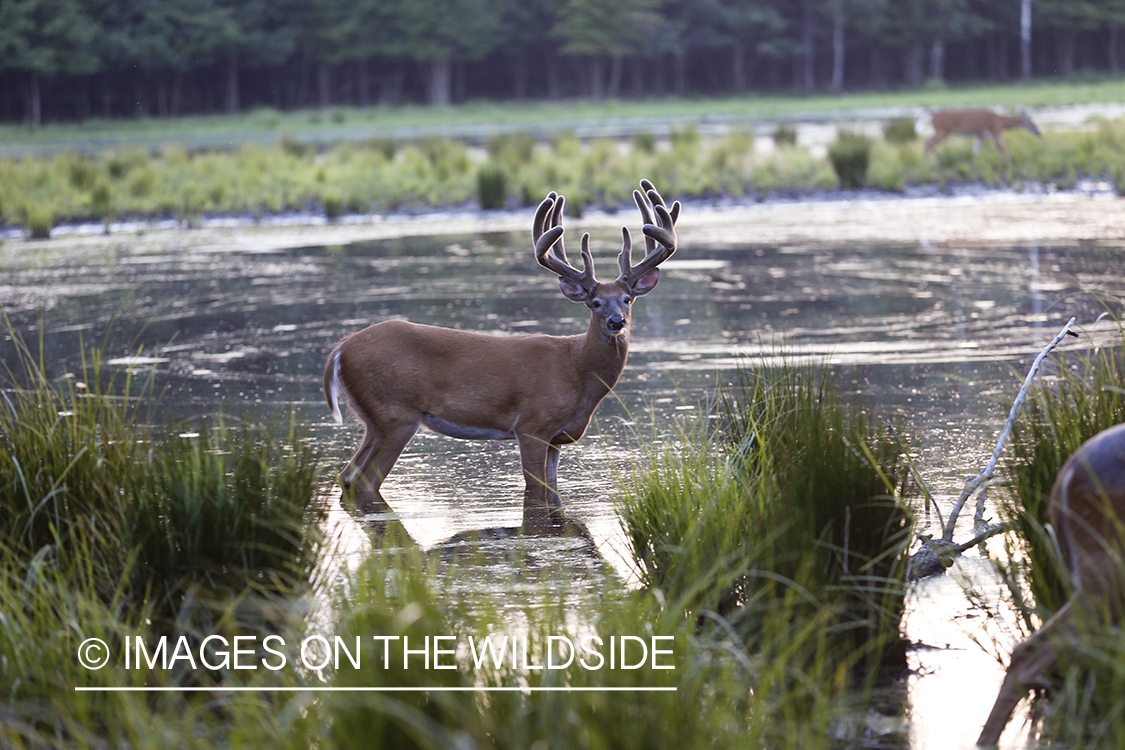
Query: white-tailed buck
point(538, 390)
point(1087, 509)
point(977, 123)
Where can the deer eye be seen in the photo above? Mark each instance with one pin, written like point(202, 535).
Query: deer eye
point(627, 300)
point(596, 304)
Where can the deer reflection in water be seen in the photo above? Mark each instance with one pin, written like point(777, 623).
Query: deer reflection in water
point(492, 546)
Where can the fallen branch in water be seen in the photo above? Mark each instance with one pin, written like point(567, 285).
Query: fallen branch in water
point(936, 555)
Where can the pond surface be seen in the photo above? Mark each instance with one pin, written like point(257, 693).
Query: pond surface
point(941, 334)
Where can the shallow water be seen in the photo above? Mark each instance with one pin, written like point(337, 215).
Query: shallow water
point(939, 334)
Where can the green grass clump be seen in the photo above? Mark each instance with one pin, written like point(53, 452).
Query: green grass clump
point(782, 508)
point(401, 593)
point(900, 130)
point(784, 135)
point(492, 186)
point(850, 155)
point(115, 524)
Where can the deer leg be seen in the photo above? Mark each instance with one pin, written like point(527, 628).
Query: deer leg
point(996, 139)
point(374, 461)
point(534, 456)
point(552, 475)
point(361, 458)
point(1031, 661)
point(932, 143)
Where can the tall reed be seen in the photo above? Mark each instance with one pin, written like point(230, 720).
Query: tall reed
point(779, 510)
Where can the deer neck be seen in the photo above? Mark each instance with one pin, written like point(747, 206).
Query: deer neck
point(603, 357)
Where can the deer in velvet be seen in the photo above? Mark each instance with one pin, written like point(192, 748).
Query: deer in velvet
point(1087, 510)
point(538, 390)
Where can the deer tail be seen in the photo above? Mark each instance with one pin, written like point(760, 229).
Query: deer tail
point(333, 387)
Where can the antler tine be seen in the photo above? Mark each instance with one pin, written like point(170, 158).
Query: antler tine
point(547, 232)
point(659, 231)
point(541, 213)
point(625, 258)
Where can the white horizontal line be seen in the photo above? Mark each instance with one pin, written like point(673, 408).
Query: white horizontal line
point(373, 689)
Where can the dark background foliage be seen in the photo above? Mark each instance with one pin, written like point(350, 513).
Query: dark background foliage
point(66, 60)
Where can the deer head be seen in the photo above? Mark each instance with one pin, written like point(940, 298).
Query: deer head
point(610, 302)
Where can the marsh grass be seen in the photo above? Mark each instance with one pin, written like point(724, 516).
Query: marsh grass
point(114, 522)
point(737, 698)
point(850, 155)
point(117, 525)
point(776, 511)
point(381, 175)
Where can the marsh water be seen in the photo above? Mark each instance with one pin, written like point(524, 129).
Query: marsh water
point(939, 334)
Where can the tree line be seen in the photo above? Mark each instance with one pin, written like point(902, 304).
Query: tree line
point(74, 59)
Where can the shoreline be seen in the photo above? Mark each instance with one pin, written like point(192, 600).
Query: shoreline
point(927, 216)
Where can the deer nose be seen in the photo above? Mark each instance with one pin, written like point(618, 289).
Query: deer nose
point(616, 323)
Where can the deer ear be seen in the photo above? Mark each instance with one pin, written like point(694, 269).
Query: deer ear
point(573, 291)
point(646, 283)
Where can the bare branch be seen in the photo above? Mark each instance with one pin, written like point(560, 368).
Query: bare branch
point(974, 483)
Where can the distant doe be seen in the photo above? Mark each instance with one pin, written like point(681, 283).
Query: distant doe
point(1087, 510)
point(538, 390)
point(978, 123)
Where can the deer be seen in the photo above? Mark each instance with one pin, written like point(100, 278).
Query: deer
point(978, 123)
point(1087, 509)
point(539, 390)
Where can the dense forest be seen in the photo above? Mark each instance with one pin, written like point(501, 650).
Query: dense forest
point(66, 60)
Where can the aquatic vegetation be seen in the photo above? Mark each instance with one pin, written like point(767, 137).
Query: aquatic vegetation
point(784, 501)
point(384, 174)
point(117, 523)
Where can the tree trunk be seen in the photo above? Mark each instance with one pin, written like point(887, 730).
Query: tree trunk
point(738, 68)
point(35, 101)
point(875, 64)
point(162, 98)
point(597, 93)
point(519, 75)
point(554, 88)
point(679, 72)
point(1067, 42)
point(809, 73)
point(232, 83)
point(362, 83)
point(937, 60)
point(1025, 39)
point(324, 84)
point(615, 69)
point(440, 85)
point(107, 97)
point(838, 49)
point(1114, 45)
point(177, 95)
point(637, 78)
point(914, 55)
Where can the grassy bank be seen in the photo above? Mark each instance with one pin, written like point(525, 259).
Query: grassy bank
point(345, 164)
point(266, 126)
